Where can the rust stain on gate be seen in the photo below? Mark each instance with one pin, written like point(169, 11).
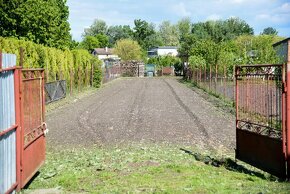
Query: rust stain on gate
point(261, 121)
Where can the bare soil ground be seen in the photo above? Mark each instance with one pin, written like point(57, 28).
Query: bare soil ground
point(153, 110)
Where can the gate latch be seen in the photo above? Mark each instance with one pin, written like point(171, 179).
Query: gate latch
point(45, 129)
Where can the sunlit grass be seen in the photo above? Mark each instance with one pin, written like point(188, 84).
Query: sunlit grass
point(148, 169)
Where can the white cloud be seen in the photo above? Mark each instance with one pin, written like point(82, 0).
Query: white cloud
point(180, 10)
point(214, 17)
point(286, 6)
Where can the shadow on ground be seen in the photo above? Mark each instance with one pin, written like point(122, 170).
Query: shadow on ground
point(229, 164)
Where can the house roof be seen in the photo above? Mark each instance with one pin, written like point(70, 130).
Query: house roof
point(103, 51)
point(164, 47)
point(282, 41)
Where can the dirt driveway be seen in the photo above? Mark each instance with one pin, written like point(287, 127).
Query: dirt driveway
point(153, 110)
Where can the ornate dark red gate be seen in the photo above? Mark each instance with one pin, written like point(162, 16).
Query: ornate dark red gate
point(261, 117)
point(32, 122)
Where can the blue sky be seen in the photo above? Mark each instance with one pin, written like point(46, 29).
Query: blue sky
point(258, 13)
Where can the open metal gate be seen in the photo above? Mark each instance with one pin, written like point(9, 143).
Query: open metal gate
point(22, 127)
point(32, 122)
point(261, 117)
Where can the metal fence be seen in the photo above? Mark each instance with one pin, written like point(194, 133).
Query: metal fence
point(55, 91)
point(219, 82)
point(8, 125)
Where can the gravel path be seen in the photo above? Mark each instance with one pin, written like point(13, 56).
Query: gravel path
point(147, 110)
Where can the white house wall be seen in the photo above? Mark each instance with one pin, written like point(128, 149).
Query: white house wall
point(162, 52)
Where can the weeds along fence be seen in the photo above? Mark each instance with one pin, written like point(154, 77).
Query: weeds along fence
point(219, 83)
point(78, 67)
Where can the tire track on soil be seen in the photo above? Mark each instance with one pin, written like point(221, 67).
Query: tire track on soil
point(188, 111)
point(84, 120)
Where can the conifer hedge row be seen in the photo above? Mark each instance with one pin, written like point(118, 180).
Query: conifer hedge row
point(74, 66)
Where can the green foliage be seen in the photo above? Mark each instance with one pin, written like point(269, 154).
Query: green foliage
point(207, 49)
point(97, 75)
point(144, 33)
point(269, 31)
point(116, 33)
point(165, 61)
point(184, 28)
point(186, 44)
point(103, 40)
point(89, 43)
point(256, 49)
point(196, 62)
point(128, 49)
point(98, 27)
point(41, 21)
point(169, 34)
point(222, 30)
point(73, 66)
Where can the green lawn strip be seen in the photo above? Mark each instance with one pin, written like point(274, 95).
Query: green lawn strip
point(147, 169)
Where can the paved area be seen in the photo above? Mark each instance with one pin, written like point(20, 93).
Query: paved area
point(147, 110)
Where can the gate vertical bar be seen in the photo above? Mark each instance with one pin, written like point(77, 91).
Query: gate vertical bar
point(284, 117)
point(287, 138)
point(18, 131)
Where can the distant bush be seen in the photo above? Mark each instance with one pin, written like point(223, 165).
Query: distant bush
point(73, 66)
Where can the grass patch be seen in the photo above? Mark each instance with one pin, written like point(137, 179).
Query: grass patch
point(146, 169)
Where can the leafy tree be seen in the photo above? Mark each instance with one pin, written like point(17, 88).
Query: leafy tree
point(200, 31)
point(128, 49)
point(169, 34)
point(256, 49)
point(41, 21)
point(98, 27)
point(196, 62)
point(187, 43)
point(165, 61)
point(103, 40)
point(116, 33)
point(89, 43)
point(73, 44)
point(208, 50)
point(221, 30)
point(270, 31)
point(154, 40)
point(144, 34)
point(236, 27)
point(184, 28)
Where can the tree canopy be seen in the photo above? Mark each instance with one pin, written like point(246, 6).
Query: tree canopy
point(169, 34)
point(128, 49)
point(270, 31)
point(144, 33)
point(98, 27)
point(116, 33)
point(41, 21)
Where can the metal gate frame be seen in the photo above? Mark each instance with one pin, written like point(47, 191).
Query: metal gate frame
point(267, 152)
point(17, 126)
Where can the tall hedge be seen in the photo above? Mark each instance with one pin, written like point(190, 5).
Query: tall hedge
point(73, 66)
